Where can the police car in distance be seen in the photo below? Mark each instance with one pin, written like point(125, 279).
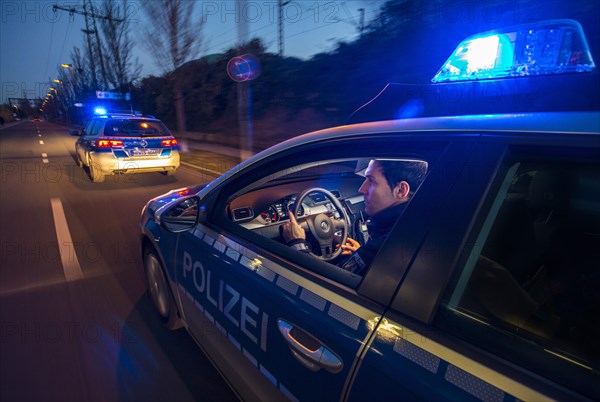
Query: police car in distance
point(486, 287)
point(125, 143)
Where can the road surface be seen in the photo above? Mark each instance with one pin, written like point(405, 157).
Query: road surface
point(76, 323)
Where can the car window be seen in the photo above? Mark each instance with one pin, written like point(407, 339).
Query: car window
point(135, 128)
point(88, 127)
point(96, 128)
point(533, 274)
point(262, 207)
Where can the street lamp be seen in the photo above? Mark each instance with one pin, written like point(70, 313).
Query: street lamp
point(65, 92)
point(74, 80)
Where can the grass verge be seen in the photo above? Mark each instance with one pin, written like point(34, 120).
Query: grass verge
point(210, 161)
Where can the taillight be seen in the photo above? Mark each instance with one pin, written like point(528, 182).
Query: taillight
point(109, 143)
point(169, 143)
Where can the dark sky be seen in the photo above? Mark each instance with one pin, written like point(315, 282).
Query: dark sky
point(35, 40)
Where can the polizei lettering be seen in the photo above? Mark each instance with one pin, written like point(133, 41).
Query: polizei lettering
point(236, 308)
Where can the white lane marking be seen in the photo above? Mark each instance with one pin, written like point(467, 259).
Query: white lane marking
point(44, 155)
point(41, 142)
point(68, 257)
point(45, 160)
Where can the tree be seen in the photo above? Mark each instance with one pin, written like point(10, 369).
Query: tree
point(173, 38)
point(122, 68)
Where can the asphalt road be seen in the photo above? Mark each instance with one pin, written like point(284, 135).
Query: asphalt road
point(76, 323)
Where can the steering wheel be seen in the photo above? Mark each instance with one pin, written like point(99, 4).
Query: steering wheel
point(324, 226)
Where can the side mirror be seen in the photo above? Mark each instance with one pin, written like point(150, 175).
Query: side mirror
point(75, 133)
point(181, 216)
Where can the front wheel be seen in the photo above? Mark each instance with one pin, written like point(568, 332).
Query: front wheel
point(159, 291)
point(170, 172)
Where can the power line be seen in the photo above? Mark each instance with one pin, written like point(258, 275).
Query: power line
point(73, 10)
point(49, 49)
point(94, 50)
point(65, 41)
point(314, 29)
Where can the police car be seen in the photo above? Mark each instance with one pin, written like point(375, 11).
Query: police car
point(125, 143)
point(487, 285)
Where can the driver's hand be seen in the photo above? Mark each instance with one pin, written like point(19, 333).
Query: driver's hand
point(350, 246)
point(292, 230)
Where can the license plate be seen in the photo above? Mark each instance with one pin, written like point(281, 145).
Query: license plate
point(143, 152)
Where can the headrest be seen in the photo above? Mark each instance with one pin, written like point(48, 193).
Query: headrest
point(550, 189)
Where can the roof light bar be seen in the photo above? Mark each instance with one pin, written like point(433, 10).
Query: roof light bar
point(549, 47)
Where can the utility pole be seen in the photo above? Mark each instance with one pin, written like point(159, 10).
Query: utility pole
point(94, 50)
point(244, 94)
point(280, 25)
point(361, 23)
point(90, 21)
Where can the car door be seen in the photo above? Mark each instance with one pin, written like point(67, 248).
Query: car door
point(88, 139)
point(81, 143)
point(499, 303)
point(298, 321)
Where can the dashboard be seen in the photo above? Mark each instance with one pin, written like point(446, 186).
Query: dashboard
point(280, 210)
point(266, 209)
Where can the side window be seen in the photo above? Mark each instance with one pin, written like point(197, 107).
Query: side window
point(88, 127)
point(96, 128)
point(329, 202)
point(534, 271)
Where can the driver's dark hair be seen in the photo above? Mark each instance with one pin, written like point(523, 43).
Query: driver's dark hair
point(412, 172)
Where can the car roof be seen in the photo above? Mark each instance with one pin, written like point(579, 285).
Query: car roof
point(549, 124)
point(128, 116)
point(558, 123)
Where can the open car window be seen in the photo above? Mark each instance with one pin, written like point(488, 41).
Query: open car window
point(332, 208)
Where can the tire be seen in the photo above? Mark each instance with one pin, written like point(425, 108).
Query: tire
point(96, 174)
point(170, 172)
point(160, 291)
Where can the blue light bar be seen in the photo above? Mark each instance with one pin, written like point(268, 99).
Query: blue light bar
point(549, 47)
point(99, 111)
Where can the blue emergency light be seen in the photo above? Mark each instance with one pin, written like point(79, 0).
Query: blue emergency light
point(549, 47)
point(100, 111)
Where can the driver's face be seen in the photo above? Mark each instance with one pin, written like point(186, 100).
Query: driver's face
point(377, 191)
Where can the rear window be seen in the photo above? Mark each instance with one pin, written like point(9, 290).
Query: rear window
point(135, 128)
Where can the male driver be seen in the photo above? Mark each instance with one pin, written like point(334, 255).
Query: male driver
point(387, 188)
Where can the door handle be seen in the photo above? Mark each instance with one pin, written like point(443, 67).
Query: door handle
point(308, 350)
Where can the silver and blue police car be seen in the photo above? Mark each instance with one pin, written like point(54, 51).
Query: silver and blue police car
point(486, 287)
point(125, 143)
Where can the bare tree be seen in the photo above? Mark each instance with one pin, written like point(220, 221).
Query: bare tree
point(122, 69)
point(76, 78)
point(174, 38)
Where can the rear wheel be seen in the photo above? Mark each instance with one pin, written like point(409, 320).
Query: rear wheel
point(170, 172)
point(159, 291)
point(96, 174)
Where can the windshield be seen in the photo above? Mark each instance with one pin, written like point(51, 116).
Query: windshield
point(136, 128)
